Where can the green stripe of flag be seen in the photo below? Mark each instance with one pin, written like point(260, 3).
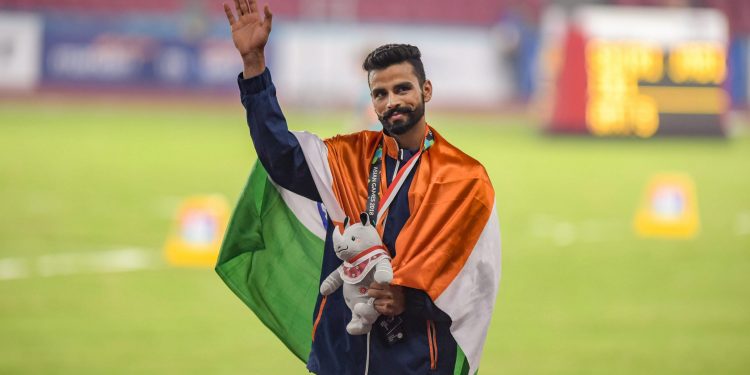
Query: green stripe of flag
point(462, 364)
point(272, 263)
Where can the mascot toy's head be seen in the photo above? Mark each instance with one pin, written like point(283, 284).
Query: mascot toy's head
point(355, 238)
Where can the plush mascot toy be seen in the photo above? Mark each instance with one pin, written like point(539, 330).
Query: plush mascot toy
point(365, 260)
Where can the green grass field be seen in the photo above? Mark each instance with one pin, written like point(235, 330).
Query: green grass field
point(580, 293)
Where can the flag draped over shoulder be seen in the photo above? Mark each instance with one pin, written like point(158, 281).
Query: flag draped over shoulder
point(449, 247)
point(271, 258)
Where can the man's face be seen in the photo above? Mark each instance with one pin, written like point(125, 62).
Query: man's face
point(398, 98)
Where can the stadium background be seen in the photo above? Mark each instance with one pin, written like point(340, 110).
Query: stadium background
point(113, 112)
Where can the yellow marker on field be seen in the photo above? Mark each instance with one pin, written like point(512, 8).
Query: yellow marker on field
point(198, 231)
point(669, 208)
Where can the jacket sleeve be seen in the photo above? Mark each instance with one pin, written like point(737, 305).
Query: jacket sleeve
point(418, 303)
point(277, 148)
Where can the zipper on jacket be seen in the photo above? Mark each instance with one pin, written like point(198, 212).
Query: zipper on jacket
point(432, 341)
point(399, 157)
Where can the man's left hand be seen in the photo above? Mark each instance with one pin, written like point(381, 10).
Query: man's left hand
point(389, 299)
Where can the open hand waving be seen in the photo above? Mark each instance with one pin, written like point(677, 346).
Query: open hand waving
point(250, 34)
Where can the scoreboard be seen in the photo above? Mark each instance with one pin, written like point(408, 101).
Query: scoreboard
point(631, 71)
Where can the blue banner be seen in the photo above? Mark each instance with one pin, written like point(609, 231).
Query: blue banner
point(100, 54)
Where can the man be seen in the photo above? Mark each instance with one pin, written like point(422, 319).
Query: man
point(432, 204)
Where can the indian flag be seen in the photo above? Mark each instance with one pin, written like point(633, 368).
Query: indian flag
point(271, 258)
point(450, 246)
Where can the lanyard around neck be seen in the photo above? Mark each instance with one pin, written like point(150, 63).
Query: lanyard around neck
point(376, 204)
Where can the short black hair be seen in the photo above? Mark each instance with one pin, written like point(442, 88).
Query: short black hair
point(392, 54)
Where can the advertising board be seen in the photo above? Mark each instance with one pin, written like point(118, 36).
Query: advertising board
point(20, 50)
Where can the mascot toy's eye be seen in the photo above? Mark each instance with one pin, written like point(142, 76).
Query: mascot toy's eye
point(354, 238)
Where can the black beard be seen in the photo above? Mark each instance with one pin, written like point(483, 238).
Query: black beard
point(401, 126)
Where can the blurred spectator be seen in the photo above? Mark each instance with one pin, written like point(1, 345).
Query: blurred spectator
point(521, 22)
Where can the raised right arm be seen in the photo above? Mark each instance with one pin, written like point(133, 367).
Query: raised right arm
point(277, 148)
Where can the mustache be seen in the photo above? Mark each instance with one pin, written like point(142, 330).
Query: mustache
point(403, 110)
